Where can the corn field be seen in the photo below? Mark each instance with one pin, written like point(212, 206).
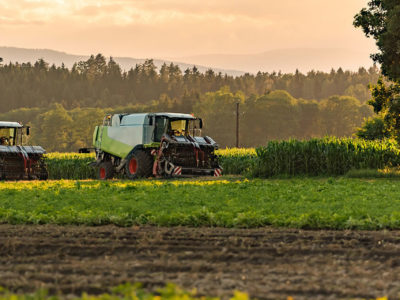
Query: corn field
point(70, 165)
point(315, 157)
point(327, 156)
point(75, 165)
point(236, 160)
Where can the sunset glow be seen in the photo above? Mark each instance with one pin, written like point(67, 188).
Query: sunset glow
point(176, 28)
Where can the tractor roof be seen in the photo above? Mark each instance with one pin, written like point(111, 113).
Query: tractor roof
point(175, 115)
point(9, 124)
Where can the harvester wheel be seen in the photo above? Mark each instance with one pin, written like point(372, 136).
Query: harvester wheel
point(44, 175)
point(138, 164)
point(106, 170)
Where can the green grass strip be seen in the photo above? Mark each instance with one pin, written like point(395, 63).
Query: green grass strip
point(333, 203)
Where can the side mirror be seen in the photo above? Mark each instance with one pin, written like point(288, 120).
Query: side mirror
point(201, 123)
point(28, 130)
point(151, 120)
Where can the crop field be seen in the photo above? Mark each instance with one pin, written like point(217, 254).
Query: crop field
point(292, 235)
point(316, 157)
point(75, 166)
point(269, 238)
point(327, 203)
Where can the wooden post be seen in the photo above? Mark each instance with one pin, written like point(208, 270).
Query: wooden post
point(237, 124)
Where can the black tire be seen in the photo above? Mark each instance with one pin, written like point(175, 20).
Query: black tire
point(44, 175)
point(106, 170)
point(139, 163)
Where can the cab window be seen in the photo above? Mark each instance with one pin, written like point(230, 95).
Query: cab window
point(194, 127)
point(7, 136)
point(178, 127)
point(159, 128)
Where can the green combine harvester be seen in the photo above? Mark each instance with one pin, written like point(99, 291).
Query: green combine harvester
point(154, 144)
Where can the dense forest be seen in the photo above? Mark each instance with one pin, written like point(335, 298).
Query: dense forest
point(63, 105)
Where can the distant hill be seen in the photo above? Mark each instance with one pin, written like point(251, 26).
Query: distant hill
point(286, 60)
point(23, 55)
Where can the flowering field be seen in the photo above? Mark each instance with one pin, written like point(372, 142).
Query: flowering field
point(301, 203)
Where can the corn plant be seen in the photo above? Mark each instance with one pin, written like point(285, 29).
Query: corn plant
point(327, 156)
point(70, 165)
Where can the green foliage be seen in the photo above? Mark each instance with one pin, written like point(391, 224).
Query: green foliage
point(358, 91)
point(70, 166)
point(386, 101)
point(274, 116)
point(374, 173)
point(76, 166)
point(340, 115)
point(335, 203)
point(99, 83)
point(373, 129)
point(218, 111)
point(328, 156)
point(381, 21)
point(315, 157)
point(236, 161)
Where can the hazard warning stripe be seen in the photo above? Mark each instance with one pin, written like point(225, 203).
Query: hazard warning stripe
point(178, 171)
point(217, 172)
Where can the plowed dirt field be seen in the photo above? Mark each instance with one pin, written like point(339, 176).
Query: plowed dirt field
point(267, 263)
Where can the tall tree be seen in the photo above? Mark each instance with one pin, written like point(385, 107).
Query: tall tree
point(381, 21)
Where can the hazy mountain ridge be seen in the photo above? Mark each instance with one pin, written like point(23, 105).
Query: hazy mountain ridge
point(23, 55)
point(287, 60)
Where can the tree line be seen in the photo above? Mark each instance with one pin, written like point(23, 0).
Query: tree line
point(272, 116)
point(100, 82)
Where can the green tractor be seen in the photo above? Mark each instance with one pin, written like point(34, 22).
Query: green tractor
point(154, 144)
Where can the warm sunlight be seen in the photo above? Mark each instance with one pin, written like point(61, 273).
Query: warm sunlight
point(178, 28)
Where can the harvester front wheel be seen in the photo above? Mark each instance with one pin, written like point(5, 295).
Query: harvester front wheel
point(44, 174)
point(138, 164)
point(106, 170)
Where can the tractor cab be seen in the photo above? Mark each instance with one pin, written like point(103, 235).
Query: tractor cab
point(11, 133)
point(176, 125)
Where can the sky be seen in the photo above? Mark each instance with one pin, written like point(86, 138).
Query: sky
point(179, 28)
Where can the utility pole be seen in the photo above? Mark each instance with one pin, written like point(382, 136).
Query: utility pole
point(237, 124)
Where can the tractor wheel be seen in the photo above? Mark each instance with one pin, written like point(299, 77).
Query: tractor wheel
point(138, 164)
point(44, 175)
point(106, 170)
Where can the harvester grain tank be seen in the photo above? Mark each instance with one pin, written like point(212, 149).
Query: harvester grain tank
point(154, 144)
point(18, 161)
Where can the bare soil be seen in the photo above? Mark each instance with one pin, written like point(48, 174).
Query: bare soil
point(267, 263)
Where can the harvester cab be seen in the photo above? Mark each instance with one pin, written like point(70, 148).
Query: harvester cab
point(18, 161)
point(158, 144)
